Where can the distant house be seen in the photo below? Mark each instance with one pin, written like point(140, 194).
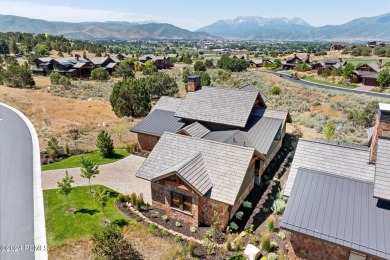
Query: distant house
point(159, 61)
point(373, 44)
point(239, 56)
point(176, 56)
point(367, 73)
point(261, 62)
point(207, 153)
point(337, 47)
point(339, 197)
point(292, 62)
point(107, 62)
point(123, 56)
point(43, 66)
point(327, 63)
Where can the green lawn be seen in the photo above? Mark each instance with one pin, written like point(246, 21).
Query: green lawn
point(357, 61)
point(74, 161)
point(311, 79)
point(62, 227)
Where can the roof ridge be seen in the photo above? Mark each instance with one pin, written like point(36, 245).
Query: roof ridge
point(339, 144)
point(210, 141)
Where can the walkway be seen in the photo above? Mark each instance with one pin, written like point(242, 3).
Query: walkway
point(323, 86)
point(119, 176)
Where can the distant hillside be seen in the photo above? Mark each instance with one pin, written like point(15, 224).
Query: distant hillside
point(254, 27)
point(99, 30)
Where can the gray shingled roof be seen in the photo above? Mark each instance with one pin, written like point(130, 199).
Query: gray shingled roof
point(340, 159)
point(157, 122)
point(249, 87)
point(230, 107)
point(226, 164)
point(193, 171)
point(195, 130)
point(382, 170)
point(339, 210)
point(98, 60)
point(168, 103)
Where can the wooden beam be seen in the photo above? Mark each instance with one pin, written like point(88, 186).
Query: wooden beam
point(177, 185)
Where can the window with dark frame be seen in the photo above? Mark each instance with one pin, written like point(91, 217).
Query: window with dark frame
point(179, 201)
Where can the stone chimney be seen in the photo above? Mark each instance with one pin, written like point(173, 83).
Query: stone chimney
point(76, 57)
point(381, 129)
point(380, 63)
point(194, 83)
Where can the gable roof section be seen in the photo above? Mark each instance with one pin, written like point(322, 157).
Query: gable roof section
point(331, 157)
point(157, 122)
point(98, 60)
point(195, 129)
point(193, 171)
point(382, 170)
point(249, 87)
point(339, 210)
point(230, 107)
point(226, 164)
point(168, 103)
point(280, 114)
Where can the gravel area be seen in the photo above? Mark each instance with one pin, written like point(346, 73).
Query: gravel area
point(119, 176)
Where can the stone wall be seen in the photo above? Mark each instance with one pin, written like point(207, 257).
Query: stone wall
point(311, 248)
point(207, 208)
point(161, 198)
point(146, 142)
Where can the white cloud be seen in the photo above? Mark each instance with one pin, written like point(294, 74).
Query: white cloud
point(67, 13)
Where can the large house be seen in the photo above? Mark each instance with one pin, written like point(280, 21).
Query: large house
point(208, 150)
point(292, 62)
point(328, 63)
point(367, 73)
point(339, 197)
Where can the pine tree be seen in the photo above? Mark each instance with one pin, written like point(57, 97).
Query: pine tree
point(105, 144)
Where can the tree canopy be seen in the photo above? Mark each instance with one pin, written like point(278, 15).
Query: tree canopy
point(235, 65)
point(383, 78)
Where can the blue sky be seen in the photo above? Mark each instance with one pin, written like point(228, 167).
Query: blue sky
point(194, 14)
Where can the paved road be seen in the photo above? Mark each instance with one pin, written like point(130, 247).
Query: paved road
point(303, 82)
point(16, 185)
point(119, 176)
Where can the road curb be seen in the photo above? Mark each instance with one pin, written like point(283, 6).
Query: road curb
point(39, 213)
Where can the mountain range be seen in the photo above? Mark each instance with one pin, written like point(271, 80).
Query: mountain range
point(255, 27)
point(100, 30)
point(240, 28)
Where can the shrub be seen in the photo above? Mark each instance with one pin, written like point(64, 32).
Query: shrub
point(120, 222)
point(138, 205)
point(122, 198)
point(138, 219)
point(278, 206)
point(272, 256)
point(178, 224)
point(239, 215)
point(153, 215)
point(282, 235)
point(165, 218)
point(193, 229)
point(254, 240)
point(266, 242)
point(302, 67)
point(274, 246)
point(271, 223)
point(237, 256)
point(228, 244)
point(64, 81)
point(140, 198)
point(191, 247)
point(208, 245)
point(152, 228)
point(275, 90)
point(250, 229)
point(200, 66)
point(247, 204)
point(100, 74)
point(164, 232)
point(239, 243)
point(133, 198)
point(17, 76)
point(177, 238)
point(233, 226)
point(55, 77)
point(105, 144)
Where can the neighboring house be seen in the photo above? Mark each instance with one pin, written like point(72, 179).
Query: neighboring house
point(123, 56)
point(107, 62)
point(43, 66)
point(339, 197)
point(367, 73)
point(261, 62)
point(175, 55)
point(337, 47)
point(159, 61)
point(292, 62)
point(209, 150)
point(239, 57)
point(326, 63)
point(373, 44)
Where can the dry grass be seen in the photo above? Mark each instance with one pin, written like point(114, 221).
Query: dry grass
point(74, 250)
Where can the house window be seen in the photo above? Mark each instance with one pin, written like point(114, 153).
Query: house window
point(181, 202)
point(356, 256)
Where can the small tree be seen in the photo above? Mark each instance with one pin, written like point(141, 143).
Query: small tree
point(209, 63)
point(329, 130)
point(348, 70)
point(100, 74)
point(64, 81)
point(101, 197)
point(53, 146)
point(109, 244)
point(55, 78)
point(105, 144)
point(88, 170)
point(42, 50)
point(65, 187)
point(149, 68)
point(200, 66)
point(18, 76)
point(124, 70)
point(383, 78)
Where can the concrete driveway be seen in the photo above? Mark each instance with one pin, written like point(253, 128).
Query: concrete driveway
point(119, 176)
